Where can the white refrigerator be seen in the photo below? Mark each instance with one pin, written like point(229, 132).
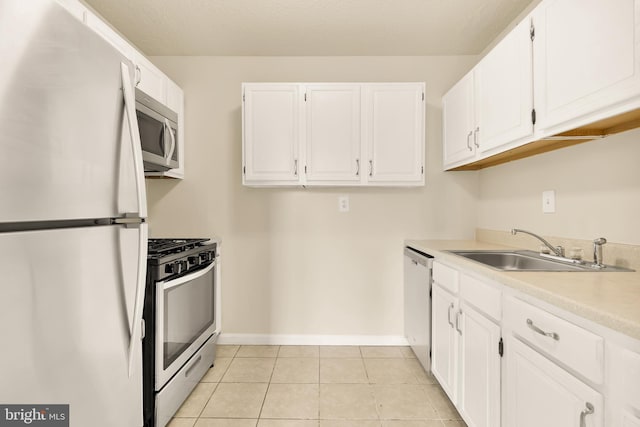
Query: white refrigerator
point(73, 237)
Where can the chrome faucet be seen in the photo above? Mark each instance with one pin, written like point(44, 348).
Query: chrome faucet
point(597, 252)
point(557, 250)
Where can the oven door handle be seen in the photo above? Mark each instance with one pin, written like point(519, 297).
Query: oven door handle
point(168, 284)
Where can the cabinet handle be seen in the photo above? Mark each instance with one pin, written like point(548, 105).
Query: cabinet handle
point(475, 137)
point(357, 167)
point(468, 143)
point(370, 167)
point(458, 322)
point(533, 327)
point(295, 167)
point(587, 411)
point(449, 315)
point(138, 75)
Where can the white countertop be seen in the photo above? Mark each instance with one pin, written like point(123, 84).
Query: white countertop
point(609, 299)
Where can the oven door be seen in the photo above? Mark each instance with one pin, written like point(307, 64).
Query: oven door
point(185, 319)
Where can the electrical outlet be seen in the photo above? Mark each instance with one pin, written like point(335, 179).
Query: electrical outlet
point(549, 201)
point(343, 204)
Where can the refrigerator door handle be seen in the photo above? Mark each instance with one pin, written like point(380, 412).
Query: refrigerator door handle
point(136, 146)
point(169, 155)
point(136, 327)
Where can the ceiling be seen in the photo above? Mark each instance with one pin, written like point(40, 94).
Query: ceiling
point(310, 27)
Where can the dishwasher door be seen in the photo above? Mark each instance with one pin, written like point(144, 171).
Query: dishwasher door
point(417, 304)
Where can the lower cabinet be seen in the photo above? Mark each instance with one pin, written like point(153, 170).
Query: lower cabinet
point(623, 398)
point(466, 347)
point(540, 393)
point(479, 394)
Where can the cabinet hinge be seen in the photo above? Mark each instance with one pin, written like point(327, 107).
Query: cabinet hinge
point(422, 170)
point(430, 293)
point(305, 97)
point(243, 97)
point(501, 347)
point(429, 353)
point(305, 169)
point(244, 170)
point(423, 96)
point(533, 116)
point(532, 31)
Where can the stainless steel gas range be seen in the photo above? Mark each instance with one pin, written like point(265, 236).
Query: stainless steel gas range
point(180, 320)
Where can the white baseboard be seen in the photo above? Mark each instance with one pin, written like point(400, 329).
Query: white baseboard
point(284, 339)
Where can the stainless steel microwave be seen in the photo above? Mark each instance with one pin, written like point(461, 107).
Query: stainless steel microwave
point(158, 134)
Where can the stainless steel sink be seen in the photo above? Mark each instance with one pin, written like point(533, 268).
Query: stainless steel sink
point(529, 261)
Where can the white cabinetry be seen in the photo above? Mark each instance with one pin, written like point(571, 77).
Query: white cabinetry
point(540, 393)
point(458, 122)
point(394, 132)
point(333, 147)
point(492, 105)
point(623, 371)
point(549, 361)
point(504, 99)
point(466, 344)
point(271, 133)
point(333, 134)
point(587, 57)
point(150, 79)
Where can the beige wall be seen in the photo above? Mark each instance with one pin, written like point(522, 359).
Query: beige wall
point(292, 263)
point(597, 188)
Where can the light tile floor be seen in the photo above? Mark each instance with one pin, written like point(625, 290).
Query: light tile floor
point(316, 386)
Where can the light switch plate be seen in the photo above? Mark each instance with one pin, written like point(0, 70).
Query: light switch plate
point(549, 201)
point(343, 204)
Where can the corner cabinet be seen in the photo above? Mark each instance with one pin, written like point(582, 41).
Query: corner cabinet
point(333, 134)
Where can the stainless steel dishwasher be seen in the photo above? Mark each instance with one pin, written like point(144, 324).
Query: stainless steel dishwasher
point(417, 304)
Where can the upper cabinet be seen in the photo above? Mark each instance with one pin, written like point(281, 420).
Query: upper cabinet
point(568, 73)
point(393, 130)
point(492, 105)
point(271, 133)
point(586, 58)
point(347, 134)
point(333, 148)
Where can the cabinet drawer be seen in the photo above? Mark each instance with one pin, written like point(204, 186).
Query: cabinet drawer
point(445, 276)
point(486, 298)
point(569, 344)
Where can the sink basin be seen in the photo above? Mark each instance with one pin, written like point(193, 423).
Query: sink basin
point(528, 261)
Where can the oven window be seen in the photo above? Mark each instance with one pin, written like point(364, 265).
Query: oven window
point(188, 312)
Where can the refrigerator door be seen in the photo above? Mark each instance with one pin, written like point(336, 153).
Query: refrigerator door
point(66, 312)
point(66, 148)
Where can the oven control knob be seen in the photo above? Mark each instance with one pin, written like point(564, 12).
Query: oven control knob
point(193, 260)
point(169, 268)
point(205, 256)
point(181, 266)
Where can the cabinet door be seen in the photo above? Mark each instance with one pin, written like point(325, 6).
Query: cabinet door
point(587, 57)
point(150, 79)
point(623, 377)
point(458, 122)
point(504, 91)
point(444, 340)
point(271, 133)
point(333, 133)
point(479, 393)
point(394, 128)
point(540, 393)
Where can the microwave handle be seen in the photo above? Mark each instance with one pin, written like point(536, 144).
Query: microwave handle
point(169, 155)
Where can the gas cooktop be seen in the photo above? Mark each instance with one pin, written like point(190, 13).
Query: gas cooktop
point(169, 246)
